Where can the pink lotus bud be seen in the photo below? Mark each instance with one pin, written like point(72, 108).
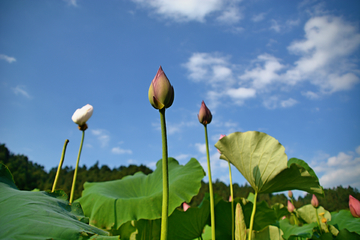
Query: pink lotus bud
point(221, 136)
point(290, 194)
point(290, 207)
point(161, 93)
point(230, 199)
point(81, 116)
point(185, 206)
point(314, 201)
point(204, 115)
point(283, 217)
point(354, 206)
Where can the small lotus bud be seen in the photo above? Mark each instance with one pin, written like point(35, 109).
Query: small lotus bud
point(290, 206)
point(81, 116)
point(314, 201)
point(185, 206)
point(204, 115)
point(230, 199)
point(290, 194)
point(354, 206)
point(161, 93)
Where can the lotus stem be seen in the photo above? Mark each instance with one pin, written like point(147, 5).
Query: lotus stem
point(165, 199)
point(232, 204)
point(76, 168)
point(60, 165)
point(317, 219)
point(212, 209)
point(252, 216)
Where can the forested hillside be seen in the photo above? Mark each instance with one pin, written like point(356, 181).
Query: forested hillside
point(29, 175)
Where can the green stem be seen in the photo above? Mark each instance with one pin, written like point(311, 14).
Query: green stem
point(60, 165)
point(232, 204)
point(212, 208)
point(317, 219)
point(165, 200)
point(296, 222)
point(76, 168)
point(252, 216)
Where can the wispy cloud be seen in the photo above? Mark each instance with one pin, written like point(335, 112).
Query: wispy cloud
point(275, 25)
point(21, 90)
point(71, 2)
point(324, 60)
point(201, 147)
point(194, 10)
point(342, 169)
point(102, 135)
point(118, 150)
point(258, 17)
point(7, 58)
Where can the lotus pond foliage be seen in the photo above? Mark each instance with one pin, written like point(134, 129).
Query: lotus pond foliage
point(155, 205)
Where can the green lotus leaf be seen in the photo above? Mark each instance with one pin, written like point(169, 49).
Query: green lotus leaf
point(308, 214)
point(182, 225)
point(279, 210)
point(261, 159)
point(345, 234)
point(269, 233)
point(305, 231)
point(39, 215)
point(113, 203)
point(299, 176)
point(189, 224)
point(343, 219)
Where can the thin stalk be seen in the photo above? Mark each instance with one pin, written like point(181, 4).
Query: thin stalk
point(317, 219)
point(296, 222)
point(252, 216)
point(76, 168)
point(60, 165)
point(212, 209)
point(232, 204)
point(165, 200)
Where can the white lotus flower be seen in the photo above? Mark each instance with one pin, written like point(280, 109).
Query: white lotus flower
point(81, 115)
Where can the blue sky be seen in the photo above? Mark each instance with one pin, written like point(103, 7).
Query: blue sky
point(287, 68)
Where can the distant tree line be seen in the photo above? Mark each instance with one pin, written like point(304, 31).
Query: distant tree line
point(29, 175)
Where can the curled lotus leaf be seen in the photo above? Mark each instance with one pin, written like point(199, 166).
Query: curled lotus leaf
point(262, 160)
point(111, 204)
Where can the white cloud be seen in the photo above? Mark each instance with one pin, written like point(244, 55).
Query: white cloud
point(258, 17)
point(201, 147)
point(72, 2)
point(230, 15)
point(275, 26)
point(274, 102)
point(194, 10)
point(209, 68)
point(288, 103)
point(265, 72)
point(323, 58)
point(183, 10)
point(118, 150)
point(310, 95)
point(324, 54)
point(102, 135)
point(240, 94)
point(7, 58)
point(343, 169)
point(21, 90)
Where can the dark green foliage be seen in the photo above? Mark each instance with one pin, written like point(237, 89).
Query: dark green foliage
point(29, 175)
